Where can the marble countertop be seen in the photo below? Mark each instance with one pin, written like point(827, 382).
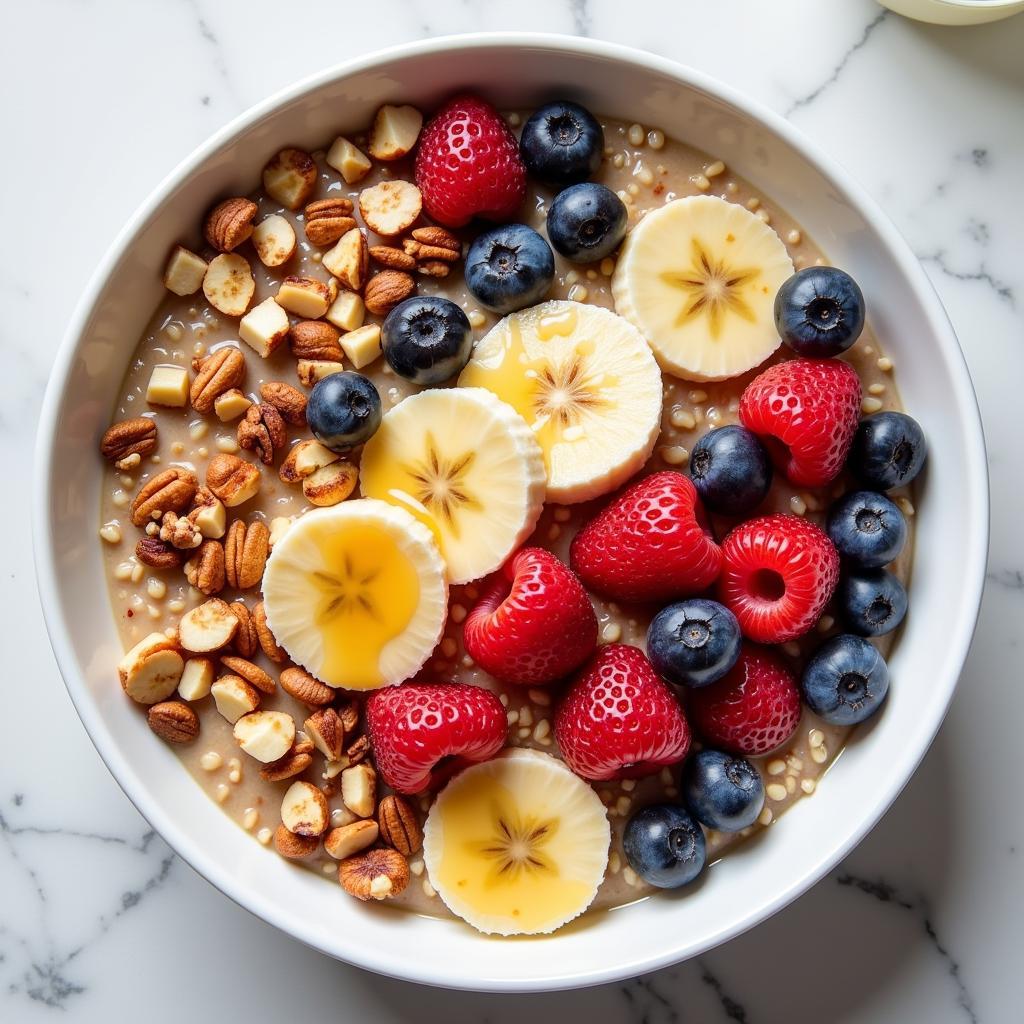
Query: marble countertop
point(99, 920)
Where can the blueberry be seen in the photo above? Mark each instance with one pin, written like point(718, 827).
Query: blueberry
point(664, 846)
point(845, 680)
point(731, 470)
point(722, 791)
point(694, 642)
point(867, 528)
point(562, 143)
point(888, 450)
point(427, 339)
point(343, 411)
point(872, 602)
point(509, 267)
point(819, 312)
point(586, 222)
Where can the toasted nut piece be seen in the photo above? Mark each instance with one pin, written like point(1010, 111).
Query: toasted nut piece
point(327, 733)
point(293, 847)
point(205, 569)
point(295, 762)
point(264, 327)
point(169, 491)
point(349, 839)
point(390, 207)
point(154, 552)
point(173, 721)
point(348, 712)
point(196, 679)
point(306, 689)
point(348, 260)
point(218, 372)
point(331, 484)
point(347, 311)
point(246, 641)
point(290, 177)
point(351, 163)
point(265, 735)
point(357, 751)
point(433, 235)
point(362, 346)
point(392, 258)
point(208, 627)
point(422, 251)
point(328, 219)
point(150, 671)
point(229, 284)
point(234, 697)
point(268, 641)
point(129, 437)
point(168, 385)
point(305, 458)
point(262, 431)
point(245, 552)
point(387, 289)
point(394, 132)
point(250, 672)
point(375, 875)
point(230, 405)
point(229, 223)
point(311, 371)
point(232, 479)
point(208, 514)
point(274, 240)
point(279, 526)
point(304, 810)
point(179, 532)
point(433, 268)
point(184, 272)
point(315, 339)
point(288, 401)
point(399, 826)
point(359, 789)
point(304, 296)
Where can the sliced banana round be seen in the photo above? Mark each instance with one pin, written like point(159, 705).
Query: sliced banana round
point(587, 384)
point(356, 594)
point(467, 466)
point(517, 845)
point(698, 277)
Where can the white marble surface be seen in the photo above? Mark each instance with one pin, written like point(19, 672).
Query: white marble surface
point(99, 921)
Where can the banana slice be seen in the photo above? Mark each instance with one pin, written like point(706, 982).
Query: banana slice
point(517, 845)
point(586, 383)
point(467, 466)
point(698, 277)
point(356, 594)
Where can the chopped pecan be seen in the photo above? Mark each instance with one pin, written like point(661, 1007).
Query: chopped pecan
point(433, 268)
point(348, 711)
point(399, 826)
point(324, 728)
point(246, 642)
point(315, 339)
point(328, 219)
point(331, 484)
point(294, 847)
point(180, 532)
point(433, 235)
point(419, 251)
point(394, 259)
point(155, 553)
point(307, 689)
point(169, 491)
point(262, 431)
point(205, 569)
point(245, 551)
point(295, 762)
point(387, 289)
point(288, 401)
point(375, 875)
point(268, 641)
point(129, 437)
point(250, 672)
point(220, 371)
point(173, 721)
point(229, 223)
point(232, 479)
point(357, 751)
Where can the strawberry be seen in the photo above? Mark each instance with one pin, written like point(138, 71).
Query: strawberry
point(414, 726)
point(808, 410)
point(751, 710)
point(651, 543)
point(468, 164)
point(534, 623)
point(619, 719)
point(779, 573)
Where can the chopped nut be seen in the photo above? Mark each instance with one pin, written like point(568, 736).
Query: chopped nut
point(433, 268)
point(288, 401)
point(306, 689)
point(347, 311)
point(389, 256)
point(184, 272)
point(208, 627)
point(362, 346)
point(390, 207)
point(349, 839)
point(359, 789)
point(262, 431)
point(295, 762)
point(232, 480)
point(205, 569)
point(274, 240)
point(218, 372)
point(196, 679)
point(352, 164)
point(246, 641)
point(348, 260)
point(264, 327)
point(229, 223)
point(394, 132)
point(423, 251)
point(265, 735)
point(279, 526)
point(330, 484)
point(439, 237)
point(169, 491)
point(290, 177)
point(129, 437)
point(268, 642)
point(315, 339)
point(230, 405)
point(245, 553)
point(374, 875)
point(208, 514)
point(387, 289)
point(328, 219)
point(304, 459)
point(150, 671)
point(357, 752)
point(154, 552)
point(250, 672)
point(399, 826)
point(229, 284)
point(326, 732)
point(173, 721)
point(304, 810)
point(168, 385)
point(234, 697)
point(179, 532)
point(294, 847)
point(311, 371)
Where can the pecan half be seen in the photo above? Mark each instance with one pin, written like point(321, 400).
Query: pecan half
point(262, 431)
point(246, 641)
point(306, 689)
point(218, 372)
point(179, 531)
point(420, 251)
point(328, 219)
point(251, 673)
point(173, 721)
point(268, 641)
point(387, 289)
point(129, 437)
point(288, 401)
point(315, 339)
point(295, 762)
point(375, 875)
point(433, 235)
point(389, 256)
point(205, 569)
point(245, 552)
point(229, 223)
point(169, 491)
point(154, 552)
point(294, 847)
point(357, 751)
point(399, 826)
point(348, 712)
point(433, 268)
point(232, 479)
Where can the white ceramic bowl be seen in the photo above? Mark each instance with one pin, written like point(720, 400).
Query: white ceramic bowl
point(955, 12)
point(952, 520)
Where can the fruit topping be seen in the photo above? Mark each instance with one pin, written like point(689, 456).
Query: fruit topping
point(465, 464)
point(517, 846)
point(872, 602)
point(416, 726)
point(427, 339)
point(509, 267)
point(731, 470)
point(586, 383)
point(586, 222)
point(619, 719)
point(468, 165)
point(664, 846)
point(561, 143)
point(808, 410)
point(650, 544)
point(888, 450)
point(694, 642)
point(867, 528)
point(845, 681)
point(819, 312)
point(534, 622)
point(698, 277)
point(343, 411)
point(722, 791)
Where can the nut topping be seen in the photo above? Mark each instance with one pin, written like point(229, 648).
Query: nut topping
point(290, 177)
point(151, 670)
point(154, 552)
point(218, 372)
point(294, 847)
point(306, 689)
point(229, 223)
point(348, 260)
point(173, 721)
point(265, 735)
point(295, 762)
point(304, 810)
point(268, 641)
point(394, 132)
point(399, 826)
point(208, 514)
point(234, 698)
point(229, 284)
point(208, 627)
point(288, 401)
point(274, 240)
point(359, 790)
point(394, 259)
point(245, 553)
point(433, 235)
point(179, 531)
point(129, 437)
point(330, 484)
point(328, 219)
point(375, 875)
point(390, 206)
point(311, 371)
point(423, 251)
point(315, 339)
point(262, 431)
point(326, 732)
point(205, 569)
point(246, 642)
point(387, 289)
point(304, 459)
point(346, 840)
point(169, 491)
point(232, 479)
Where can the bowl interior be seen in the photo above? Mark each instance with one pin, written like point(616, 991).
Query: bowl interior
point(905, 314)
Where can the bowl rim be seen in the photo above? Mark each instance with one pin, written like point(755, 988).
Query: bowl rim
point(974, 554)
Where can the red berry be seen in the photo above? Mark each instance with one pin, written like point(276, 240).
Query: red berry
point(751, 710)
point(534, 623)
point(778, 575)
point(619, 719)
point(414, 726)
point(468, 164)
point(650, 544)
point(810, 407)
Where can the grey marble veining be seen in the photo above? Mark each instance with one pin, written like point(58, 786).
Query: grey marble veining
point(99, 921)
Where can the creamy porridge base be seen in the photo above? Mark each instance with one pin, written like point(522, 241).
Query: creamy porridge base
point(647, 170)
